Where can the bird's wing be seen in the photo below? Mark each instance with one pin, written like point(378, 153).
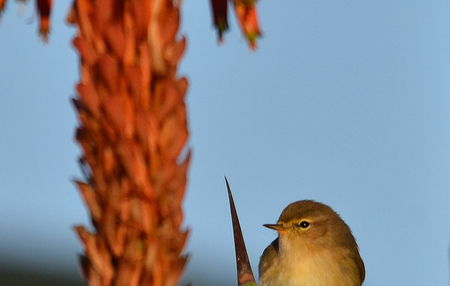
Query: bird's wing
point(270, 256)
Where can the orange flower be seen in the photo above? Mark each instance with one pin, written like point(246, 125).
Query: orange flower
point(2, 5)
point(248, 20)
point(44, 8)
point(246, 15)
point(220, 16)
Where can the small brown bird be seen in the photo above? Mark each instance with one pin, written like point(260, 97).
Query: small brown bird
point(315, 247)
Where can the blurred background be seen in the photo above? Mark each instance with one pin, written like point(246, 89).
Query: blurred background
point(344, 102)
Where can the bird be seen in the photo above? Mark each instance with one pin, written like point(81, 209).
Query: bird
point(315, 247)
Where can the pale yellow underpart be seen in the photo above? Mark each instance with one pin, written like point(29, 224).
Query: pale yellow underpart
point(309, 265)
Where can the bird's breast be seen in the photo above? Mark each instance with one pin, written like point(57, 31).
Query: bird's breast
point(301, 268)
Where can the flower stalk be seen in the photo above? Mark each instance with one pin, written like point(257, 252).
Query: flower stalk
point(133, 131)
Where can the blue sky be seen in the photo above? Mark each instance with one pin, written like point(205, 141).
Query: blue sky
point(344, 102)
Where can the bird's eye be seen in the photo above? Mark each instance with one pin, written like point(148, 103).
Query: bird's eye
point(304, 224)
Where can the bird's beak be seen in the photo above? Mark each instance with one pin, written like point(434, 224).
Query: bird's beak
point(276, 227)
